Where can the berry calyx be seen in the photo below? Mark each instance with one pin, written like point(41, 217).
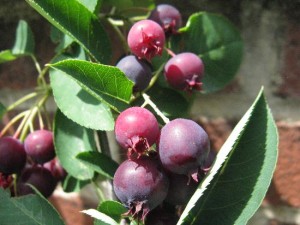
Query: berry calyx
point(168, 17)
point(146, 39)
point(39, 146)
point(184, 71)
point(183, 147)
point(136, 70)
point(12, 155)
point(136, 130)
point(141, 185)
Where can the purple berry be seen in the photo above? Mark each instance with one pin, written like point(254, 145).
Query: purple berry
point(136, 70)
point(181, 189)
point(40, 178)
point(146, 39)
point(184, 71)
point(183, 147)
point(39, 146)
point(12, 155)
point(141, 185)
point(136, 129)
point(56, 169)
point(168, 17)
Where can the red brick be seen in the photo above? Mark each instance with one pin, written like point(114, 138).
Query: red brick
point(69, 207)
point(286, 181)
point(291, 62)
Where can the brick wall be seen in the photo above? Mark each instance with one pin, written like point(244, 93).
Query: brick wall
point(271, 33)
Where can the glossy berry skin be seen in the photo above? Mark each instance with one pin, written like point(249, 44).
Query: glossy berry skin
point(12, 155)
point(39, 177)
point(183, 147)
point(141, 185)
point(181, 189)
point(136, 129)
point(136, 70)
point(168, 17)
point(146, 39)
point(184, 71)
point(39, 146)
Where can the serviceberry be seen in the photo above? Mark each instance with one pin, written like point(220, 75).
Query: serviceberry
point(168, 17)
point(146, 39)
point(39, 146)
point(136, 70)
point(136, 129)
point(56, 169)
point(141, 185)
point(184, 71)
point(39, 177)
point(183, 147)
point(12, 155)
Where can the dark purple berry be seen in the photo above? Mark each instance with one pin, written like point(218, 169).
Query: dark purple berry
point(146, 39)
point(136, 70)
point(184, 71)
point(56, 169)
point(136, 129)
point(183, 147)
point(40, 178)
point(12, 155)
point(39, 146)
point(181, 189)
point(168, 17)
point(141, 185)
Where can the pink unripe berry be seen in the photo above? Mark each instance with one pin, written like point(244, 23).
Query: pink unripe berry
point(146, 39)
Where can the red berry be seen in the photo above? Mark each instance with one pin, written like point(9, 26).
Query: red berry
point(168, 17)
point(56, 169)
point(146, 39)
point(12, 155)
point(39, 146)
point(185, 71)
point(136, 129)
point(141, 185)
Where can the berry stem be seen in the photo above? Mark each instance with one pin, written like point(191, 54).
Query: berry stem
point(41, 122)
point(148, 101)
point(170, 52)
point(21, 101)
point(120, 35)
point(13, 121)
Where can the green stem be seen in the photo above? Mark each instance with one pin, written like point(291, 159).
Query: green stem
point(22, 100)
point(99, 191)
point(120, 35)
point(104, 144)
point(32, 115)
point(13, 121)
point(148, 101)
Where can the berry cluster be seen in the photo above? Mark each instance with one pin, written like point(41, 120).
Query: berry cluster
point(146, 39)
point(32, 162)
point(161, 162)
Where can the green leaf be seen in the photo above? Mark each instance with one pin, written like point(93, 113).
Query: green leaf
point(113, 209)
point(24, 43)
point(29, 209)
point(2, 110)
point(71, 139)
point(241, 174)
point(91, 5)
point(99, 162)
point(85, 109)
point(6, 56)
point(75, 20)
point(71, 184)
point(217, 42)
point(102, 219)
point(106, 83)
